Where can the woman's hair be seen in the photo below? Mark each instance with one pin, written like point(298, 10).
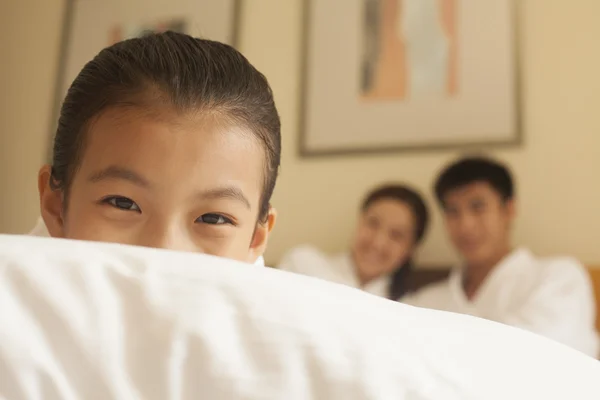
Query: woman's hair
point(415, 202)
point(173, 70)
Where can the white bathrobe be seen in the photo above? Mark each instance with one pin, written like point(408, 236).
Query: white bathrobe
point(552, 297)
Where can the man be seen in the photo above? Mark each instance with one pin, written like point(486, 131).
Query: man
point(552, 297)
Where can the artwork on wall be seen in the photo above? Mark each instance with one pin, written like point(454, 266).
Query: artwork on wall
point(91, 25)
point(391, 75)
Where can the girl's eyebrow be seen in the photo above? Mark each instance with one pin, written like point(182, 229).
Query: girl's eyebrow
point(232, 192)
point(119, 173)
point(115, 172)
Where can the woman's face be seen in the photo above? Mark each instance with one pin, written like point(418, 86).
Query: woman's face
point(384, 239)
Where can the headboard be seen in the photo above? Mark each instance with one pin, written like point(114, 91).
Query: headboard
point(594, 272)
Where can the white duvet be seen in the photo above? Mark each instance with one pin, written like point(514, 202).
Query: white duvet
point(80, 320)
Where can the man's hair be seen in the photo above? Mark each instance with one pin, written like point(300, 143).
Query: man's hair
point(472, 170)
point(176, 70)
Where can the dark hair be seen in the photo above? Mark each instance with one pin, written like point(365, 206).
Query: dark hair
point(180, 71)
point(471, 170)
point(414, 200)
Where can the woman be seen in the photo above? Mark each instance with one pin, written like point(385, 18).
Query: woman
point(392, 223)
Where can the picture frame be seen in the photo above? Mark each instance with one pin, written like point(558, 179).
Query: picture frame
point(91, 25)
point(375, 84)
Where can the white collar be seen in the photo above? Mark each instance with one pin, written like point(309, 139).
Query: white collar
point(514, 260)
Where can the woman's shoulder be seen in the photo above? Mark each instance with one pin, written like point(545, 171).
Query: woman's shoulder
point(310, 261)
point(303, 257)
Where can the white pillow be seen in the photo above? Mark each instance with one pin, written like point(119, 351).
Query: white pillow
point(81, 320)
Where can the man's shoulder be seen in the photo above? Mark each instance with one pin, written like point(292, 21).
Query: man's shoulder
point(549, 274)
point(545, 268)
point(562, 269)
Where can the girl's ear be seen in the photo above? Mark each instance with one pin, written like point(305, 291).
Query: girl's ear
point(261, 236)
point(51, 203)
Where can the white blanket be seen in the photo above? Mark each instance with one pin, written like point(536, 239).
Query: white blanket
point(81, 320)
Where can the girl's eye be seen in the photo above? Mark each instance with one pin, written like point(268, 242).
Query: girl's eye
point(122, 203)
point(214, 219)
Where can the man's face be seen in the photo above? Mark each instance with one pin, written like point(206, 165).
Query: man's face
point(478, 222)
point(180, 182)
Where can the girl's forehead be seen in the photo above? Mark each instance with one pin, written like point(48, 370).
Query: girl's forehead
point(119, 126)
point(192, 150)
point(164, 112)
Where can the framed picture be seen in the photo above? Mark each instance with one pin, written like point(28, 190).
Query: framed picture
point(393, 75)
point(91, 25)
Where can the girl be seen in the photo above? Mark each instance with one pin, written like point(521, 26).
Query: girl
point(166, 141)
point(392, 223)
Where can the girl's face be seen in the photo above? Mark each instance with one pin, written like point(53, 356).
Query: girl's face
point(384, 238)
point(187, 182)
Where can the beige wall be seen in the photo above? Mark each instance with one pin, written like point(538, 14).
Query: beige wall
point(29, 40)
point(558, 168)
